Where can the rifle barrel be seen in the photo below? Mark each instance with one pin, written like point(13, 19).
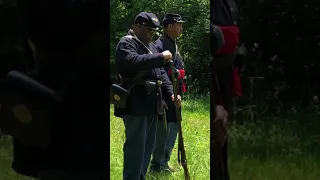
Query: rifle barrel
point(181, 150)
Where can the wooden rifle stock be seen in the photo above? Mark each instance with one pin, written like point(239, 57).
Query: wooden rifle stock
point(182, 159)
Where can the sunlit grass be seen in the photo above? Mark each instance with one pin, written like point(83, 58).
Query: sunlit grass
point(196, 129)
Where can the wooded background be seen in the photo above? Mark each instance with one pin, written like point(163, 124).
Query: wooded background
point(194, 44)
point(282, 40)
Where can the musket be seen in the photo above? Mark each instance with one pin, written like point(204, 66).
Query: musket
point(218, 134)
point(182, 159)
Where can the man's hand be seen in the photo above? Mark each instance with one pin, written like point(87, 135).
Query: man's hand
point(178, 73)
point(219, 129)
point(167, 55)
point(221, 114)
point(178, 102)
point(164, 104)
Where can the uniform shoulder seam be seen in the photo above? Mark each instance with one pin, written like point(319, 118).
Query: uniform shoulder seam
point(126, 38)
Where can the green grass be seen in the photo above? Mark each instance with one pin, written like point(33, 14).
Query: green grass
point(286, 148)
point(196, 131)
point(283, 148)
point(6, 172)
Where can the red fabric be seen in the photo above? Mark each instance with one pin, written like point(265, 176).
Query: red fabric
point(231, 37)
point(236, 84)
point(181, 71)
point(182, 74)
point(184, 87)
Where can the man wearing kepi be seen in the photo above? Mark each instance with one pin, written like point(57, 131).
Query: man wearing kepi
point(140, 67)
point(167, 132)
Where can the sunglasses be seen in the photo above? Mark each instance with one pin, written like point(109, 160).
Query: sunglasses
point(149, 29)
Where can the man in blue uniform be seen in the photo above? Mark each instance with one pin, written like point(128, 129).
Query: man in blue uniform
point(166, 136)
point(140, 66)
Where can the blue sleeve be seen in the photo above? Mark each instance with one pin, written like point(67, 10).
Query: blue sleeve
point(160, 48)
point(166, 83)
point(128, 58)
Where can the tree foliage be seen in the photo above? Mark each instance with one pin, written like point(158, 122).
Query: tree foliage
point(194, 44)
point(283, 38)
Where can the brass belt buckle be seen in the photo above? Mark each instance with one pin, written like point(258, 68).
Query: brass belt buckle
point(117, 97)
point(159, 83)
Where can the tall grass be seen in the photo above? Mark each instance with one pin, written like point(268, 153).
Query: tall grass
point(285, 148)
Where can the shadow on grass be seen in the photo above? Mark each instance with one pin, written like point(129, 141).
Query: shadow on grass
point(284, 148)
point(288, 136)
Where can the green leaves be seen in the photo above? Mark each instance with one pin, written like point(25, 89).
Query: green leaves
point(193, 44)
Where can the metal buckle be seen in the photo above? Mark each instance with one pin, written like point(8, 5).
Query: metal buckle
point(159, 83)
point(116, 97)
point(22, 113)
